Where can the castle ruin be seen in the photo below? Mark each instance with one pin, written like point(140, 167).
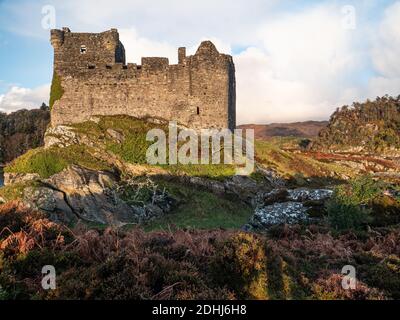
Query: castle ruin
point(198, 92)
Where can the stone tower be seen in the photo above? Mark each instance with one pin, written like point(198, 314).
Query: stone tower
point(198, 92)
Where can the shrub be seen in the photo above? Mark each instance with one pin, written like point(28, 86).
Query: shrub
point(348, 207)
point(331, 289)
point(13, 217)
point(364, 189)
point(384, 274)
point(240, 265)
point(342, 216)
point(116, 264)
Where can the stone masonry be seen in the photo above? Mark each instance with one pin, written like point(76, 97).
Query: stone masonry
point(198, 92)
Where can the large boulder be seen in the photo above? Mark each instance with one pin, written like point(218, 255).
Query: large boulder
point(288, 206)
point(279, 213)
point(80, 193)
point(89, 194)
point(50, 201)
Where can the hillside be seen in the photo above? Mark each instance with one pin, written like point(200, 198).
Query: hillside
point(22, 130)
point(117, 228)
point(369, 127)
point(306, 129)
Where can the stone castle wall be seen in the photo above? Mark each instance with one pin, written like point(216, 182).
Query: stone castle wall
point(198, 92)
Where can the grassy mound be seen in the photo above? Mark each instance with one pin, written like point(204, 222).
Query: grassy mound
point(47, 162)
point(133, 145)
point(124, 137)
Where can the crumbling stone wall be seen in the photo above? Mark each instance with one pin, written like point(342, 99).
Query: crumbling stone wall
point(198, 92)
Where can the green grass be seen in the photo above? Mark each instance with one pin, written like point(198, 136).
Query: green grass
point(47, 162)
point(294, 165)
point(15, 191)
point(212, 171)
point(56, 90)
point(202, 210)
point(134, 145)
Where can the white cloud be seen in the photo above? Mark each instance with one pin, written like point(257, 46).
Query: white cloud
point(298, 65)
point(386, 49)
point(176, 20)
point(303, 69)
point(297, 72)
point(137, 47)
point(23, 98)
point(385, 55)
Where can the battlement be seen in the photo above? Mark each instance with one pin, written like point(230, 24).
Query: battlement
point(198, 92)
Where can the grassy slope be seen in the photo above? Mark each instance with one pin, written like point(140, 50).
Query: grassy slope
point(133, 150)
point(134, 145)
point(47, 162)
point(295, 165)
point(201, 210)
point(197, 209)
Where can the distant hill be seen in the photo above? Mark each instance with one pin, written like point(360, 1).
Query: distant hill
point(307, 129)
point(22, 130)
point(372, 126)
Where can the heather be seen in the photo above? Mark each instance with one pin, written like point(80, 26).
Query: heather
point(287, 262)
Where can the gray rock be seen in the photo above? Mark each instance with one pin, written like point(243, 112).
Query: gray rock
point(271, 176)
point(279, 213)
point(243, 187)
point(274, 196)
point(117, 136)
point(80, 193)
point(11, 177)
point(303, 194)
point(88, 194)
point(61, 136)
point(50, 201)
point(283, 206)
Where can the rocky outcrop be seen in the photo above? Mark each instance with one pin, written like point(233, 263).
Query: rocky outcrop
point(279, 213)
point(21, 131)
point(79, 193)
point(369, 127)
point(241, 187)
point(12, 177)
point(61, 136)
point(282, 206)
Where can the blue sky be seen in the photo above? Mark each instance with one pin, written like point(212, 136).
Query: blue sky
point(295, 60)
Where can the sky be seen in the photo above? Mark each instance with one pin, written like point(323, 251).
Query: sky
point(295, 60)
